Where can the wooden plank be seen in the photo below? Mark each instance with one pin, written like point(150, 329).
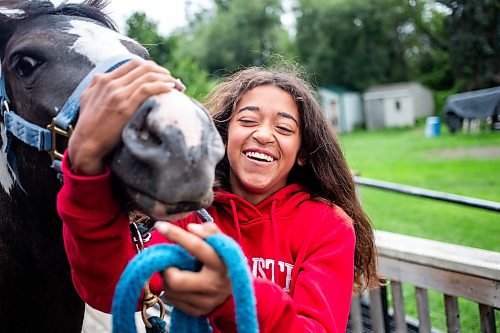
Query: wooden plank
point(487, 317)
point(451, 257)
point(385, 308)
point(452, 314)
point(355, 315)
point(376, 313)
point(477, 289)
point(399, 307)
point(423, 311)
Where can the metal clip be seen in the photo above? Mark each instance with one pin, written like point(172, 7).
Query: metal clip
point(54, 154)
point(136, 237)
point(149, 300)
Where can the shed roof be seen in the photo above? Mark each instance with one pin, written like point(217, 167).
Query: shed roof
point(338, 89)
point(393, 86)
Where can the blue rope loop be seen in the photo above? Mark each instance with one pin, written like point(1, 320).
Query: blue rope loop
point(159, 257)
point(158, 325)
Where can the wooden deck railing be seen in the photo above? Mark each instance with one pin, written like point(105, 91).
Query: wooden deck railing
point(452, 270)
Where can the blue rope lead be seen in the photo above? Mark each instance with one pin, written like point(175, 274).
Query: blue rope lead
point(159, 257)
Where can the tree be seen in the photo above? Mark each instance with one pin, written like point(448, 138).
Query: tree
point(451, 45)
point(145, 31)
point(354, 43)
point(163, 50)
point(235, 34)
point(473, 28)
point(429, 57)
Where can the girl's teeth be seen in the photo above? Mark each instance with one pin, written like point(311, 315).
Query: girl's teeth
point(259, 156)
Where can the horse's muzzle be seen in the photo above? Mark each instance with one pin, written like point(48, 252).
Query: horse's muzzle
point(168, 155)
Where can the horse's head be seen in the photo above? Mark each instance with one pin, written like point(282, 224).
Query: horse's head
point(169, 148)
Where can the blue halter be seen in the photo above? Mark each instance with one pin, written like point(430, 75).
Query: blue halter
point(45, 139)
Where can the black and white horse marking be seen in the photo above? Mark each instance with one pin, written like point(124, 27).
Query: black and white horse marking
point(45, 52)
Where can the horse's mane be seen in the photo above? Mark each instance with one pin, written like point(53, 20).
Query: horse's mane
point(91, 9)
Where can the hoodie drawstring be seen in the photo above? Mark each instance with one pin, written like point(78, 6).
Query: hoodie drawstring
point(274, 228)
point(235, 221)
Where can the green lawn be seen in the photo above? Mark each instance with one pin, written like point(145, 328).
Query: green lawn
point(407, 157)
point(464, 164)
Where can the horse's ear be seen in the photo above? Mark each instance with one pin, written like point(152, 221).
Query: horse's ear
point(5, 34)
point(9, 14)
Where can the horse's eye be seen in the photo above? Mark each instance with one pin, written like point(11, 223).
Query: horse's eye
point(26, 65)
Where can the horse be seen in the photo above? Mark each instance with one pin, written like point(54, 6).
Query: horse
point(45, 52)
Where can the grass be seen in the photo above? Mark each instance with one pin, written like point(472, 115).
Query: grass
point(464, 164)
point(407, 157)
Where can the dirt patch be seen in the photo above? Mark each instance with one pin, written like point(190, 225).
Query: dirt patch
point(478, 152)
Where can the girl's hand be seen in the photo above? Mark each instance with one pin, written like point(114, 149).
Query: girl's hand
point(196, 293)
point(107, 104)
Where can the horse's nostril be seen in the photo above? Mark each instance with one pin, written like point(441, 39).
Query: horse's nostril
point(148, 135)
point(144, 135)
point(142, 128)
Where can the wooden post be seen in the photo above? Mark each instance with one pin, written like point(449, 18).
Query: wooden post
point(376, 313)
point(487, 317)
point(355, 315)
point(399, 307)
point(452, 314)
point(385, 308)
point(423, 310)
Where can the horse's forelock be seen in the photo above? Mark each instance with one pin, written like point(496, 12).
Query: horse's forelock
point(91, 9)
point(13, 11)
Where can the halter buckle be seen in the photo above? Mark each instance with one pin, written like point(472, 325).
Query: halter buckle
point(55, 130)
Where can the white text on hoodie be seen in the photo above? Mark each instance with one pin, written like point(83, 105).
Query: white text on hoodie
point(265, 268)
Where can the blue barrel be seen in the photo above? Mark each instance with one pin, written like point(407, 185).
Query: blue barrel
point(432, 126)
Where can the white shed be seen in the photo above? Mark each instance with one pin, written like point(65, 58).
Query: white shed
point(342, 107)
point(397, 105)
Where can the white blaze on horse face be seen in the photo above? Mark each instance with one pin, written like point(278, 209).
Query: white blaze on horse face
point(180, 112)
point(7, 177)
point(96, 42)
point(12, 13)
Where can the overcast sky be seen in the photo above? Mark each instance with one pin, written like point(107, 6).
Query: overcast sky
point(169, 14)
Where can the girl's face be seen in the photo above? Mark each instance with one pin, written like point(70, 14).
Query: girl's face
point(263, 142)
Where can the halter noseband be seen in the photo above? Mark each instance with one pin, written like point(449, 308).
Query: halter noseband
point(45, 139)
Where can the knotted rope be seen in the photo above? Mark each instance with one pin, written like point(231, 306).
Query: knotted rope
point(159, 257)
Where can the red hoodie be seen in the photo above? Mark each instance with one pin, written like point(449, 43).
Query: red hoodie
point(300, 252)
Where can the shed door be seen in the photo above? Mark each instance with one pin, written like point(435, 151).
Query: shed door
point(376, 113)
point(334, 112)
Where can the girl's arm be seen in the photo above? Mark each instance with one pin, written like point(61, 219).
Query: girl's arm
point(95, 231)
point(97, 238)
point(96, 235)
point(323, 280)
point(322, 285)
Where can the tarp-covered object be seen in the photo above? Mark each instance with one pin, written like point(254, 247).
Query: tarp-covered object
point(479, 104)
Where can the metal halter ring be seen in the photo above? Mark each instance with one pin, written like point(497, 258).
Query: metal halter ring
point(54, 154)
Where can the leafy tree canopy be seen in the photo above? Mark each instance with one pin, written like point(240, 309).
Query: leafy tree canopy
point(235, 34)
point(448, 45)
point(163, 50)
